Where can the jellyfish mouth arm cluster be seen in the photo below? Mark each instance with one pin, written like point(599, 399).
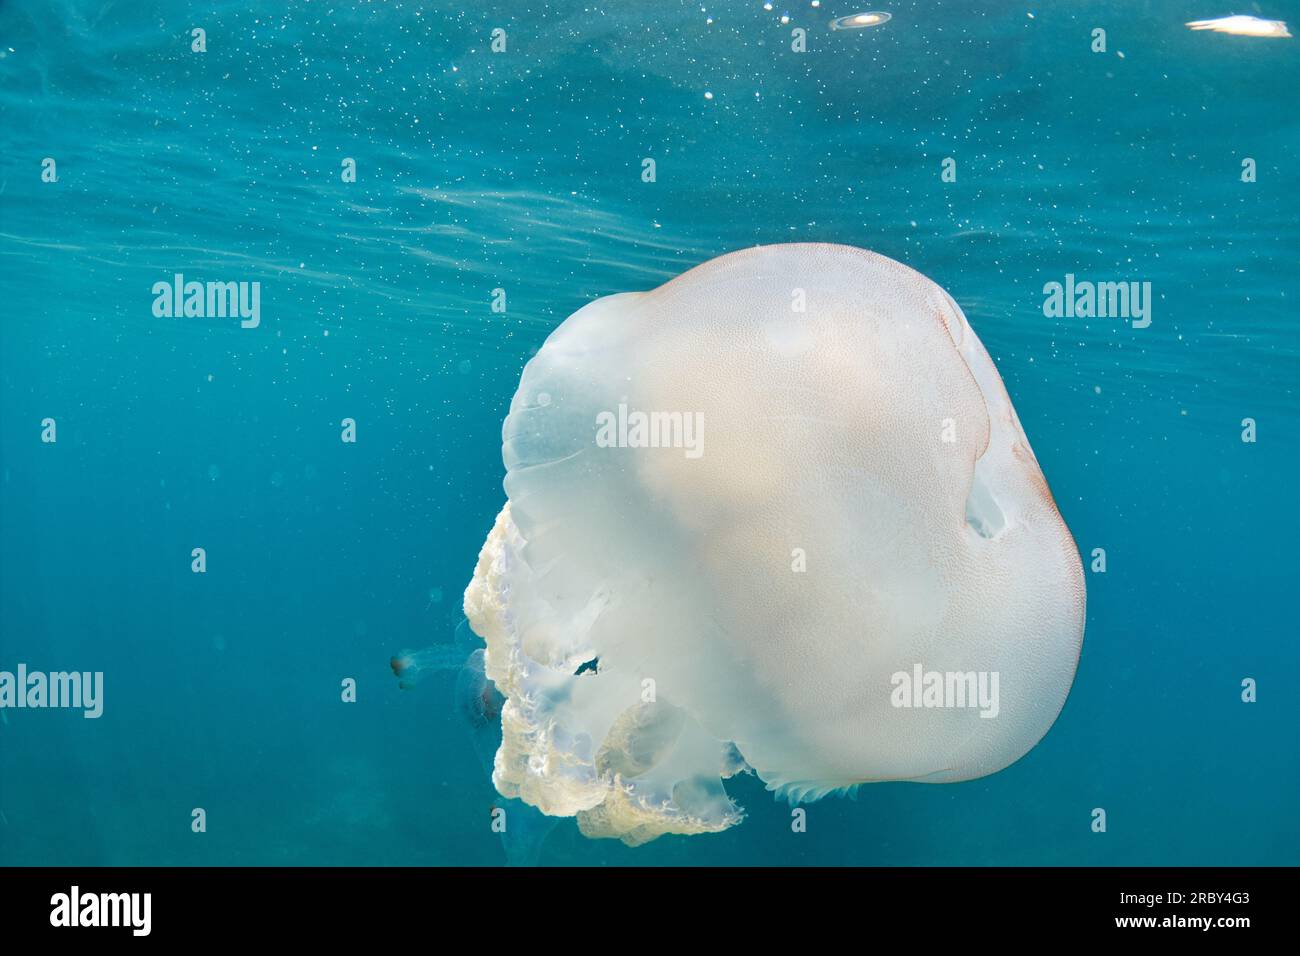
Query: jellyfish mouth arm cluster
point(856, 501)
point(570, 746)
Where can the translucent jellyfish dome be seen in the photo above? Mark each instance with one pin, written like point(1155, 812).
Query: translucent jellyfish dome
point(777, 515)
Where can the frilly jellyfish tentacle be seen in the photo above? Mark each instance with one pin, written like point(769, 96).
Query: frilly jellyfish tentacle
point(832, 494)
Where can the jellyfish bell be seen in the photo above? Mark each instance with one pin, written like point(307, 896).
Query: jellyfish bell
point(864, 502)
point(405, 669)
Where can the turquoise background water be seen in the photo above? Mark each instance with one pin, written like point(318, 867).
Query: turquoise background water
point(521, 171)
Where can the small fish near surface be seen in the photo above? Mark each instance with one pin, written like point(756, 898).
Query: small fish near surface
point(1243, 26)
point(860, 21)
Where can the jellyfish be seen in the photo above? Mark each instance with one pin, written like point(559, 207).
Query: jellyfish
point(411, 667)
point(776, 516)
point(435, 597)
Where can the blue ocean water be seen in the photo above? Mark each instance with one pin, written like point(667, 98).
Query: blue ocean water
point(522, 170)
